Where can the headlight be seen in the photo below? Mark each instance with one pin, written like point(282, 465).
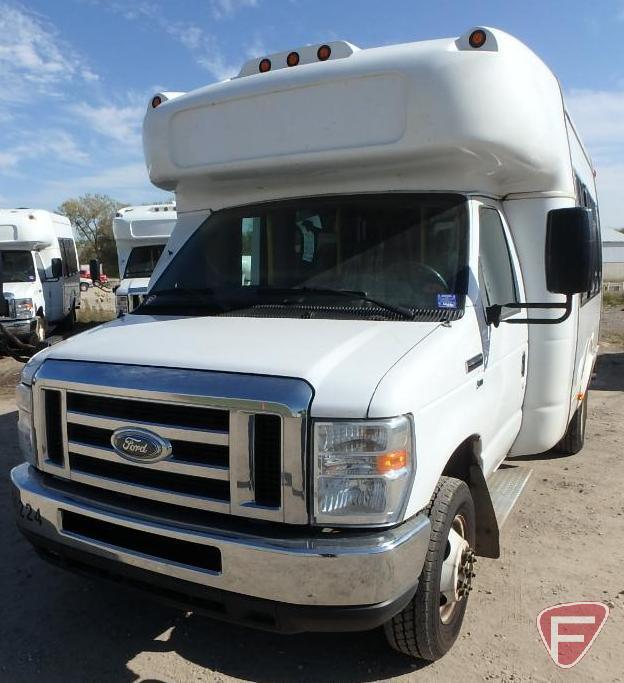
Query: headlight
point(25, 430)
point(24, 308)
point(122, 304)
point(363, 470)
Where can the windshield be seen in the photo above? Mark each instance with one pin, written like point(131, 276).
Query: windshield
point(142, 260)
point(357, 254)
point(17, 266)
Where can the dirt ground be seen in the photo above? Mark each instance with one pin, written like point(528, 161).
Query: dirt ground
point(564, 542)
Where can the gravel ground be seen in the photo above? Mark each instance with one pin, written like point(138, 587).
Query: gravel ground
point(562, 543)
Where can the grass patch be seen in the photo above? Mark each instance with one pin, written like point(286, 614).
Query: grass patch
point(94, 314)
point(612, 299)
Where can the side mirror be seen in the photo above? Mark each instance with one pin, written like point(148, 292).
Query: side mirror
point(570, 250)
point(57, 268)
point(94, 270)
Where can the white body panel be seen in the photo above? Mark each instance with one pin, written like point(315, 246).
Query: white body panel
point(38, 232)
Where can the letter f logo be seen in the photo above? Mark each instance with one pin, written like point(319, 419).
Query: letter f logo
point(569, 630)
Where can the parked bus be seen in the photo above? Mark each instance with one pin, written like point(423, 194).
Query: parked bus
point(39, 272)
point(384, 281)
point(141, 233)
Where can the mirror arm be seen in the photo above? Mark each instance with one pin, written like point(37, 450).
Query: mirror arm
point(493, 313)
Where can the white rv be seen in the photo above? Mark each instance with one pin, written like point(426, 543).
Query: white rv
point(383, 282)
point(39, 272)
point(141, 233)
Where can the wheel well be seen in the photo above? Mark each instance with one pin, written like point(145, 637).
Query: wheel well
point(465, 464)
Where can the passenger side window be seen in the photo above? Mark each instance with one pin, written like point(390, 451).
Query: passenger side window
point(496, 273)
point(584, 198)
point(68, 256)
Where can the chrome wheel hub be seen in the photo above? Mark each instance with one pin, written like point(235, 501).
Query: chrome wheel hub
point(457, 569)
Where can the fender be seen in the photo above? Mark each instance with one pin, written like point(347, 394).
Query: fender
point(465, 465)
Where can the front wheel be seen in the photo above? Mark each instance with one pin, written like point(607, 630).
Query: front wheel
point(430, 624)
point(574, 438)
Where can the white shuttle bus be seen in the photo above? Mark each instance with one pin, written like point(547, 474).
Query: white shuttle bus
point(384, 282)
point(141, 233)
point(39, 272)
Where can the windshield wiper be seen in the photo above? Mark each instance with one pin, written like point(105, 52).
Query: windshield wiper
point(347, 293)
point(163, 298)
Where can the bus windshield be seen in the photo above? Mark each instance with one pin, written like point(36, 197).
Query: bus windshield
point(17, 266)
point(142, 260)
point(407, 252)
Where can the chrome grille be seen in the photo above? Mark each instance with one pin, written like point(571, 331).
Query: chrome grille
point(238, 441)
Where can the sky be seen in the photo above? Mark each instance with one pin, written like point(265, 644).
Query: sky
point(76, 75)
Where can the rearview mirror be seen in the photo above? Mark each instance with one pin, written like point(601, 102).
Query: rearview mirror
point(570, 250)
point(56, 268)
point(94, 270)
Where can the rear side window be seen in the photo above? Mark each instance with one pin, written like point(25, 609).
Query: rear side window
point(68, 255)
point(495, 265)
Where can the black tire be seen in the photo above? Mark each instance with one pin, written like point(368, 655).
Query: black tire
point(574, 438)
point(419, 630)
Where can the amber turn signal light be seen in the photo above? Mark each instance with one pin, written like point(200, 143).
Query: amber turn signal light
point(477, 38)
point(323, 53)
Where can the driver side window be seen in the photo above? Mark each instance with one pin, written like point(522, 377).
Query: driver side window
point(496, 273)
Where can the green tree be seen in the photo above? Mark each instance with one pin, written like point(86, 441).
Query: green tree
point(91, 217)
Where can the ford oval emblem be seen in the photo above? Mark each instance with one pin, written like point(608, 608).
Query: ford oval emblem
point(139, 445)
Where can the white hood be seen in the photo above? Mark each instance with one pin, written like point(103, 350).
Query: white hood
point(133, 285)
point(343, 360)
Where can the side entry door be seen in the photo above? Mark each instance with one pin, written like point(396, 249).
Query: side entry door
point(505, 347)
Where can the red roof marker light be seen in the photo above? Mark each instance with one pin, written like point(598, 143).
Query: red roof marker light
point(477, 38)
point(323, 53)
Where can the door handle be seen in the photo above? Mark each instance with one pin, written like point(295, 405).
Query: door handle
point(523, 366)
point(474, 362)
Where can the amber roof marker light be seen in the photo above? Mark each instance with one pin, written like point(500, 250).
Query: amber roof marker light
point(156, 101)
point(264, 66)
point(477, 38)
point(323, 53)
point(292, 59)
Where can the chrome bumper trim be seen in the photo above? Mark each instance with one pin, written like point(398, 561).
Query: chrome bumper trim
point(340, 569)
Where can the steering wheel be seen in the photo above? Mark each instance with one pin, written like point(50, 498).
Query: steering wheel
point(434, 277)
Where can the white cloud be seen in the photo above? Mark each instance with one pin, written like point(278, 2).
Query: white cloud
point(120, 123)
point(222, 9)
point(599, 118)
point(203, 45)
point(127, 183)
point(33, 59)
point(610, 181)
point(599, 115)
point(56, 145)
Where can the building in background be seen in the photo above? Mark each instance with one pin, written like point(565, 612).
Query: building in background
point(612, 255)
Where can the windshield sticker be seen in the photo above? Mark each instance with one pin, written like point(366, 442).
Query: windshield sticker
point(307, 226)
point(447, 301)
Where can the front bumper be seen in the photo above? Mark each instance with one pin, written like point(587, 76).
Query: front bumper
point(267, 576)
point(20, 327)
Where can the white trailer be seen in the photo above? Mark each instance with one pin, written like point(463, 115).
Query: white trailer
point(383, 282)
point(39, 274)
point(141, 233)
